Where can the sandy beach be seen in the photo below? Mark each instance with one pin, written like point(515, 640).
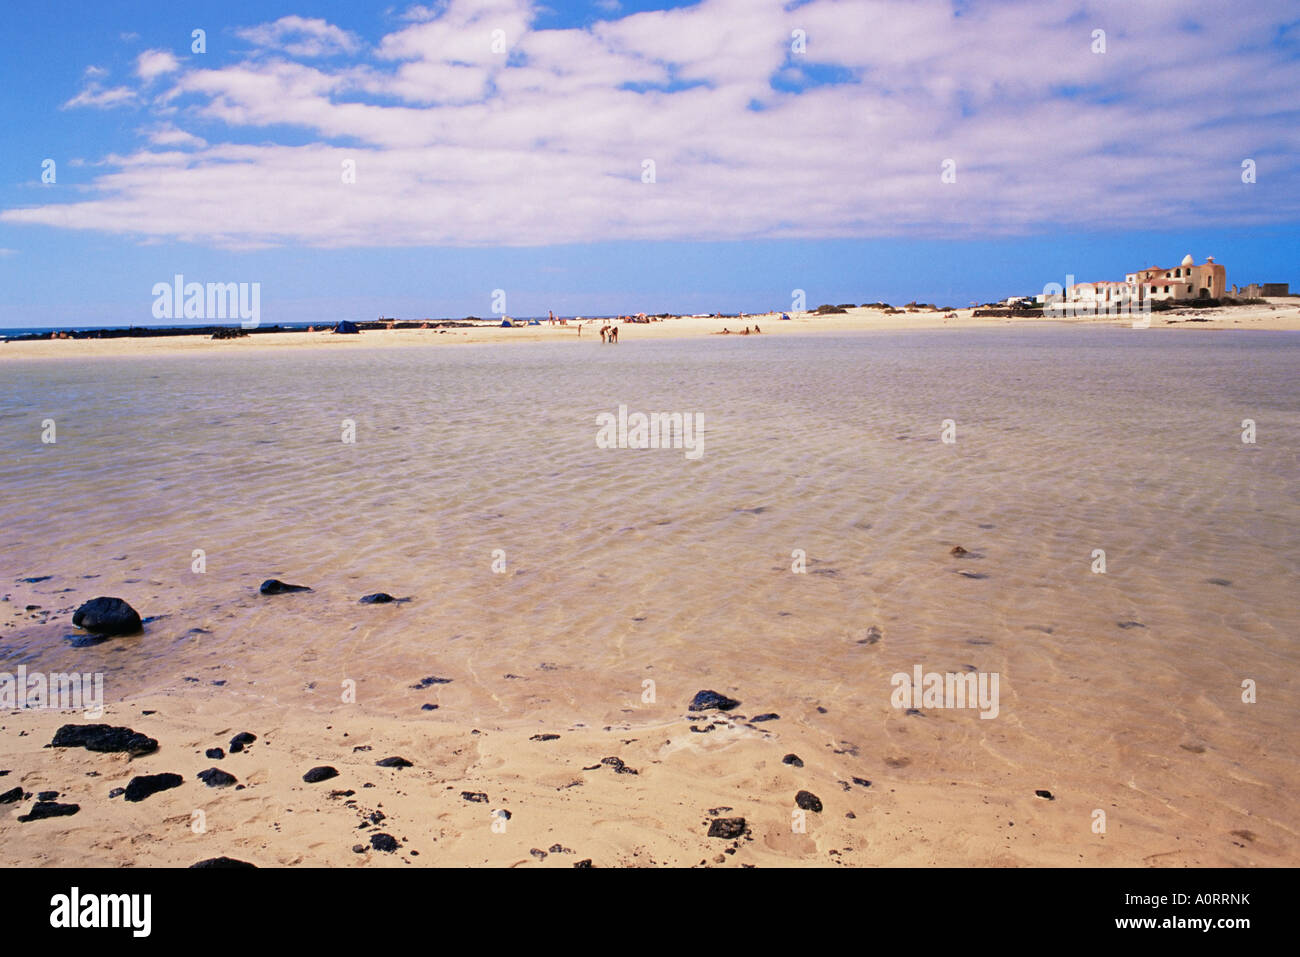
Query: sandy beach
point(1278, 314)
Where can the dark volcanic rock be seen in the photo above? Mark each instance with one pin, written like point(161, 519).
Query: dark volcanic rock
point(477, 797)
point(223, 862)
point(808, 801)
point(216, 778)
point(322, 773)
point(116, 792)
point(704, 700)
point(431, 680)
point(273, 586)
point(107, 616)
point(862, 782)
point(584, 863)
point(393, 762)
point(383, 842)
point(792, 759)
point(727, 827)
point(770, 716)
point(102, 737)
point(142, 786)
point(241, 741)
point(378, 598)
point(11, 797)
point(47, 795)
point(1046, 794)
point(43, 809)
point(216, 754)
point(544, 737)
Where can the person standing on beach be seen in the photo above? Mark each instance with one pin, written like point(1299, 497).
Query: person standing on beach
point(613, 335)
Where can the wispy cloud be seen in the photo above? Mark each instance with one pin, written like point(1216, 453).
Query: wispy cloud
point(466, 125)
point(103, 98)
point(302, 37)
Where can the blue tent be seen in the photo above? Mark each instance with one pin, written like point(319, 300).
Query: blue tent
point(347, 327)
point(507, 324)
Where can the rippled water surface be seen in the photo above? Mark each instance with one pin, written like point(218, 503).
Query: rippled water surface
point(625, 565)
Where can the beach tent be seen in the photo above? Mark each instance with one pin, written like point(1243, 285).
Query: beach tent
point(346, 327)
point(507, 324)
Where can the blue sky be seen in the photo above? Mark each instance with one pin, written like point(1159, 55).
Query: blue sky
point(502, 144)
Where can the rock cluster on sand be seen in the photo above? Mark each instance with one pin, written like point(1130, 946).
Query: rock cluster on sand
point(727, 827)
point(145, 785)
point(102, 737)
point(107, 616)
point(808, 801)
point(704, 700)
point(273, 586)
point(216, 778)
point(44, 809)
point(222, 862)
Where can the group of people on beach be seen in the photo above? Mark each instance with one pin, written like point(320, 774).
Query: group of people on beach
point(727, 332)
point(609, 333)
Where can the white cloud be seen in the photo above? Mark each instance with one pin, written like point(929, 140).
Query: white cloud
point(154, 63)
point(301, 37)
point(460, 144)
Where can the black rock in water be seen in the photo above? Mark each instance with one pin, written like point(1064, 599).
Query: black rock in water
point(383, 842)
point(216, 778)
point(808, 801)
point(223, 862)
point(793, 759)
point(216, 754)
point(12, 796)
point(770, 716)
point(102, 737)
point(241, 741)
point(393, 762)
point(727, 827)
point(322, 773)
point(704, 700)
point(273, 586)
point(144, 785)
point(378, 598)
point(107, 616)
point(43, 809)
